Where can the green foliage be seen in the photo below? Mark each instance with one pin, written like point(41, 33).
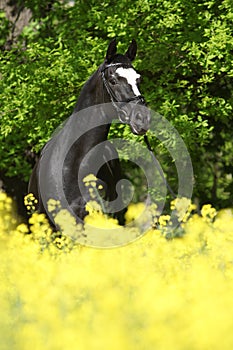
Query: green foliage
point(185, 57)
point(4, 28)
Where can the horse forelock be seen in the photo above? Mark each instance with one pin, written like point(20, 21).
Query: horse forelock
point(118, 59)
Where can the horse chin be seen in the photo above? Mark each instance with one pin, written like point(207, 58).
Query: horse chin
point(137, 130)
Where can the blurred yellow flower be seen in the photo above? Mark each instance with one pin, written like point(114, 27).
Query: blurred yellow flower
point(151, 294)
point(134, 211)
point(22, 228)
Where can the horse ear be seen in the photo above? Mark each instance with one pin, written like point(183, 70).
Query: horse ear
point(132, 50)
point(112, 49)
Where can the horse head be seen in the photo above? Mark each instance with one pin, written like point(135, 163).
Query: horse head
point(122, 82)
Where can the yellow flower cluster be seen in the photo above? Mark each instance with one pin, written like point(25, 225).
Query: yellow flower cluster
point(183, 208)
point(8, 217)
point(97, 218)
point(30, 202)
point(90, 181)
point(151, 294)
point(208, 212)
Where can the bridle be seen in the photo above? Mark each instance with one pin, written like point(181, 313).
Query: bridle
point(115, 102)
point(135, 99)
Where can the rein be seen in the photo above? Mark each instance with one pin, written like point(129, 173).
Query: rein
point(158, 166)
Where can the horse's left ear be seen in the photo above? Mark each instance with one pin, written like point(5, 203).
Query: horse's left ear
point(112, 49)
point(132, 50)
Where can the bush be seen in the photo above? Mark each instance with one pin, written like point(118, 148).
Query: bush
point(185, 50)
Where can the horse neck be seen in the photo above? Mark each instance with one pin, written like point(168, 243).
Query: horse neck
point(92, 94)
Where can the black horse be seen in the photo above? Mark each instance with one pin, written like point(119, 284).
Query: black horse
point(111, 92)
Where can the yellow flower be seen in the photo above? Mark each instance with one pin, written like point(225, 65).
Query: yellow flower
point(98, 219)
point(159, 284)
point(90, 180)
point(22, 228)
point(93, 207)
point(208, 212)
point(37, 218)
point(163, 220)
point(29, 198)
point(3, 196)
point(30, 202)
point(134, 210)
point(183, 208)
point(53, 205)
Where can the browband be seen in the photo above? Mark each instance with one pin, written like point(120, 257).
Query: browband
point(115, 65)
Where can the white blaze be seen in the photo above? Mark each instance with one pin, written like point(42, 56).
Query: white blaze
point(131, 76)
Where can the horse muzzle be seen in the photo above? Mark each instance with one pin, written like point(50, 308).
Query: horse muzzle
point(137, 116)
point(140, 122)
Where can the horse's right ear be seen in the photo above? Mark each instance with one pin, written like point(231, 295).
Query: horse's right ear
point(112, 49)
